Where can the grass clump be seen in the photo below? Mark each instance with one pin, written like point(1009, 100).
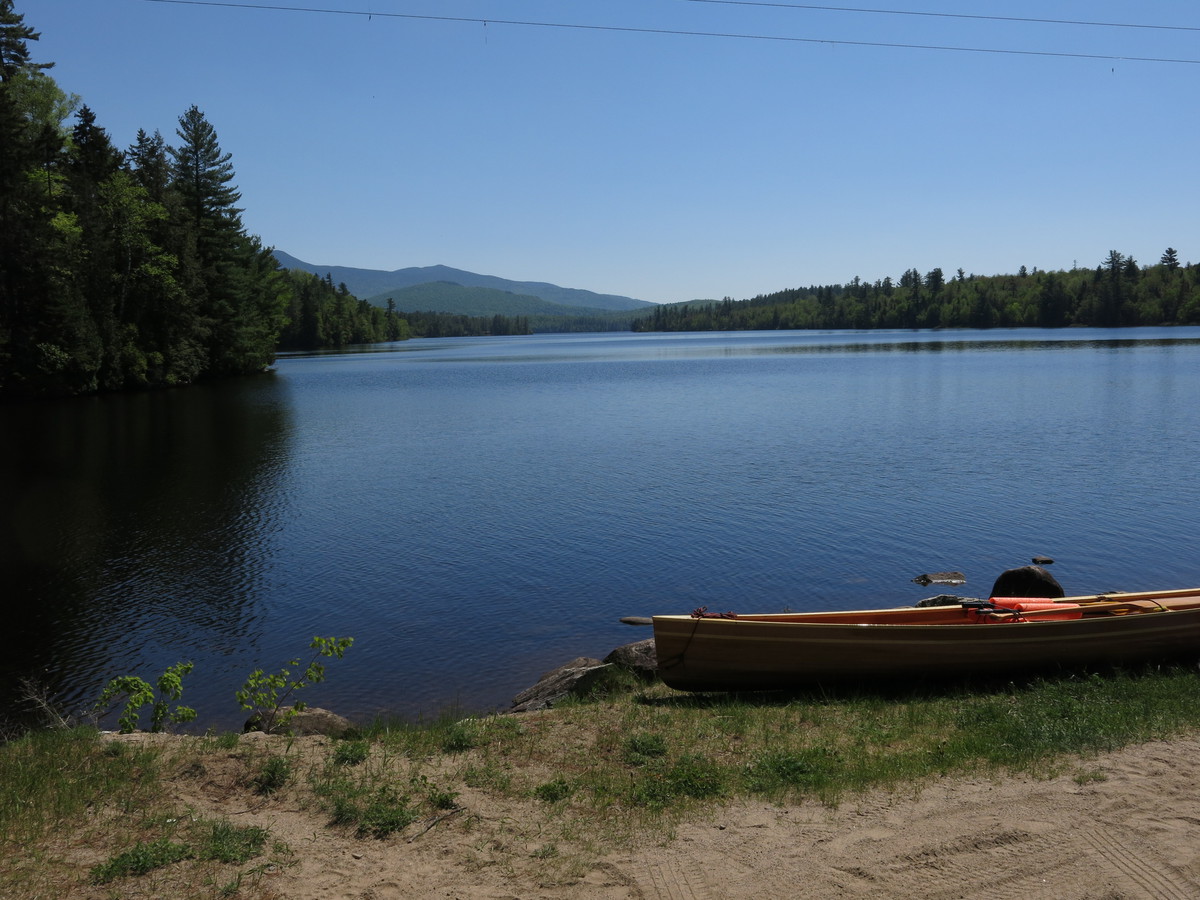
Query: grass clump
point(460, 737)
point(807, 770)
point(554, 791)
point(374, 813)
point(274, 776)
point(140, 859)
point(216, 840)
point(641, 748)
point(693, 776)
point(229, 843)
point(351, 753)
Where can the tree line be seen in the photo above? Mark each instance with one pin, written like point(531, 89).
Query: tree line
point(1117, 293)
point(120, 268)
point(130, 268)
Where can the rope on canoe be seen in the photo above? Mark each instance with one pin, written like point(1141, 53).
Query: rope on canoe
point(700, 612)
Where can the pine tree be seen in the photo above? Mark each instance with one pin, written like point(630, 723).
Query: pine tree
point(14, 46)
point(202, 176)
point(240, 294)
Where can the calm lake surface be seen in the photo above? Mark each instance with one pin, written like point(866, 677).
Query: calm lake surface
point(475, 512)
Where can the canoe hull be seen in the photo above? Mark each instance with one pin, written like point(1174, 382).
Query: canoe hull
point(777, 652)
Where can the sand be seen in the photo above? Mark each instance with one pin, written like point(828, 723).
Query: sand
point(1120, 825)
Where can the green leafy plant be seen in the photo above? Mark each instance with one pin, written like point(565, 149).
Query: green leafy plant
point(267, 695)
point(138, 693)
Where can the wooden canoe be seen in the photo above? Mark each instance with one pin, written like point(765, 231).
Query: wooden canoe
point(778, 651)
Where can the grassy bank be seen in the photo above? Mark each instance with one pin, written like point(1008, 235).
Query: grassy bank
point(83, 815)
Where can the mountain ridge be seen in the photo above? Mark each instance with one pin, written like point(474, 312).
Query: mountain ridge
point(373, 283)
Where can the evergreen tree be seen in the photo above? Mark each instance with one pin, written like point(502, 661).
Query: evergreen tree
point(202, 176)
point(14, 43)
point(147, 159)
point(238, 290)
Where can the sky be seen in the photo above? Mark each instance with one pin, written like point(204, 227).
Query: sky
point(669, 150)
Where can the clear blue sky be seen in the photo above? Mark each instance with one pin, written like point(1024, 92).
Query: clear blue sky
point(668, 166)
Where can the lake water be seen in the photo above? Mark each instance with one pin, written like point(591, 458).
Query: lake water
point(474, 512)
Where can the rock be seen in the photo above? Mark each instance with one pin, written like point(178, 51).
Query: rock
point(1043, 561)
point(310, 720)
point(638, 657)
point(575, 678)
point(1027, 581)
point(940, 578)
point(636, 620)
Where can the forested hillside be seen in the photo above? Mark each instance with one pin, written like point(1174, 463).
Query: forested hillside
point(1118, 292)
point(119, 269)
point(442, 296)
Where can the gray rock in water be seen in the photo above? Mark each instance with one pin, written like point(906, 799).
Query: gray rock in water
point(950, 578)
point(1027, 581)
point(638, 657)
point(1042, 561)
point(575, 678)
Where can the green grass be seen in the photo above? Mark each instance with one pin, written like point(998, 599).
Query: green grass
point(273, 776)
point(51, 777)
point(216, 840)
point(581, 779)
point(141, 859)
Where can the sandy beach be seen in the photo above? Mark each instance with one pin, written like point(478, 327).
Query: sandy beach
point(1120, 825)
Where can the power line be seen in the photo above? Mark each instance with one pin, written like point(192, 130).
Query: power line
point(371, 14)
point(942, 15)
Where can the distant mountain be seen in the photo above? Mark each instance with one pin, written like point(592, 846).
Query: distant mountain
point(442, 296)
point(375, 284)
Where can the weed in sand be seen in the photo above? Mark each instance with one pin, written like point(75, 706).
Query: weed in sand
point(228, 843)
point(554, 791)
point(351, 753)
point(460, 737)
point(140, 859)
point(273, 776)
point(377, 814)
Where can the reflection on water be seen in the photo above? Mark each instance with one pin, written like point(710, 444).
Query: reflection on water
point(475, 511)
point(137, 526)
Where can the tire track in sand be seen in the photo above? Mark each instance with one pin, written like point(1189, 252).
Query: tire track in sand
point(1156, 878)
